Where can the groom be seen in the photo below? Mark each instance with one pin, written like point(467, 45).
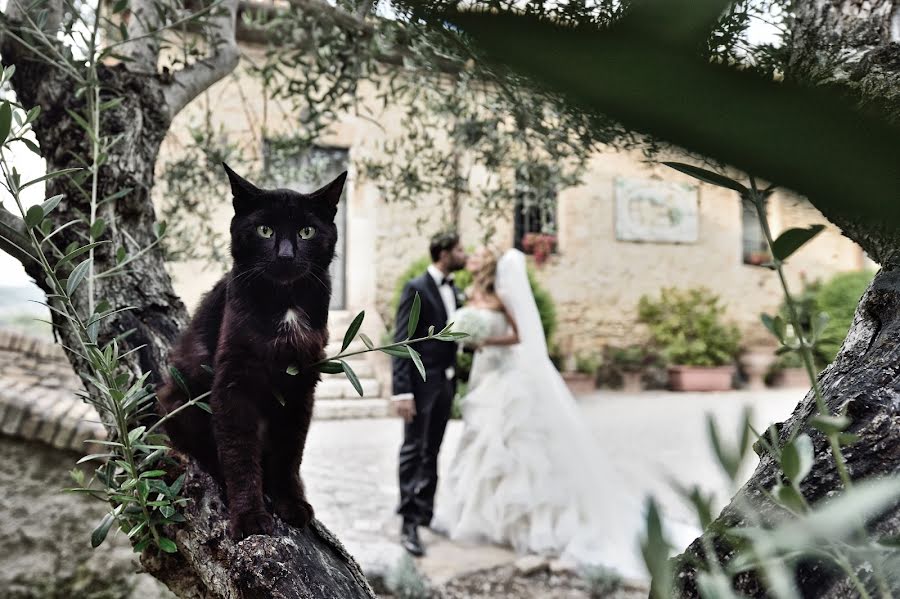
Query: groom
point(425, 405)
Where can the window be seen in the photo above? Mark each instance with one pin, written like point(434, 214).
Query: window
point(535, 209)
point(306, 169)
point(755, 248)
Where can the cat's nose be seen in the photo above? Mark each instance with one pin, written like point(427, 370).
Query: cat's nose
point(285, 250)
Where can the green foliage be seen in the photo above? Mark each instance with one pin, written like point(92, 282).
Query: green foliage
point(630, 358)
point(586, 363)
point(837, 298)
point(462, 388)
point(600, 581)
point(194, 189)
point(831, 531)
point(128, 474)
point(405, 581)
point(687, 327)
point(455, 108)
point(463, 279)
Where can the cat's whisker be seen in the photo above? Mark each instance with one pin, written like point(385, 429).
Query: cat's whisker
point(318, 278)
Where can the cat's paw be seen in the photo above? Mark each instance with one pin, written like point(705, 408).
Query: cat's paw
point(296, 512)
point(244, 524)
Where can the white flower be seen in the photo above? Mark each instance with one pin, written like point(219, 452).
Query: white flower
point(472, 322)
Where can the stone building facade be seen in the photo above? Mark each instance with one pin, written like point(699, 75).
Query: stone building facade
point(630, 228)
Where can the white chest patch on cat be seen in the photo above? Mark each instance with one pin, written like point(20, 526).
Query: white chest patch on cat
point(294, 326)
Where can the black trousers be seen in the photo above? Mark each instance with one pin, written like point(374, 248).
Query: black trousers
point(422, 439)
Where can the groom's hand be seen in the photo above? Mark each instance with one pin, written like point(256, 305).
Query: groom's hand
point(406, 409)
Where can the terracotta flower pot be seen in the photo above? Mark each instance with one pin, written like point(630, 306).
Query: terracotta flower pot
point(700, 378)
point(579, 383)
point(756, 364)
point(631, 382)
point(791, 378)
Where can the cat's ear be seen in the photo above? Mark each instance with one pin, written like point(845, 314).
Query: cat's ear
point(328, 196)
point(243, 191)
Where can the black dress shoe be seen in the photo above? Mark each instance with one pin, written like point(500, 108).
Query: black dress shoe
point(409, 539)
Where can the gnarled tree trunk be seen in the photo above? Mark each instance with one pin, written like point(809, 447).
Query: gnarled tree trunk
point(851, 43)
point(294, 564)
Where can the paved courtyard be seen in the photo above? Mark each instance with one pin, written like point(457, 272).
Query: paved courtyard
point(653, 438)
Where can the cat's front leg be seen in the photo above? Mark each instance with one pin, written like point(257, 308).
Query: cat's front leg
point(236, 425)
point(287, 438)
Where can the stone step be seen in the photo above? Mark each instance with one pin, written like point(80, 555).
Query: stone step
point(340, 388)
point(341, 409)
point(336, 387)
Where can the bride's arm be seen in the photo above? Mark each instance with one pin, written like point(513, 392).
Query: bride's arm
point(511, 338)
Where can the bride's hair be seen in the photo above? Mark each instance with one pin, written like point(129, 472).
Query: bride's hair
point(483, 279)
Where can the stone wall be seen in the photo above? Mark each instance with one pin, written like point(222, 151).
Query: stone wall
point(598, 280)
point(44, 532)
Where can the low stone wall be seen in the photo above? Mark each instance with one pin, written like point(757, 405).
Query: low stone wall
point(44, 532)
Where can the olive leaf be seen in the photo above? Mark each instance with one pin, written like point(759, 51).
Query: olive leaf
point(353, 330)
point(706, 176)
point(793, 239)
point(414, 316)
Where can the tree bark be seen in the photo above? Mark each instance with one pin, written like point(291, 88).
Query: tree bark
point(291, 564)
point(864, 376)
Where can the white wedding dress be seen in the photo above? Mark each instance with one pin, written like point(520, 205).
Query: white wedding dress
point(527, 473)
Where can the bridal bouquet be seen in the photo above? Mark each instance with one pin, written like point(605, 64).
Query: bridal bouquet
point(471, 322)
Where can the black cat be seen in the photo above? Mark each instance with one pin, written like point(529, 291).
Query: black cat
point(251, 343)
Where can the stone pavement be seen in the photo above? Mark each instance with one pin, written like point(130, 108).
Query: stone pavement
point(653, 437)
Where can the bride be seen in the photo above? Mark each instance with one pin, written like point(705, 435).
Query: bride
point(527, 473)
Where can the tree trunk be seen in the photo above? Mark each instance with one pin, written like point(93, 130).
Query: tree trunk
point(291, 564)
point(864, 376)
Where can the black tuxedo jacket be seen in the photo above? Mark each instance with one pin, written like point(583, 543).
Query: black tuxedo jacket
point(437, 356)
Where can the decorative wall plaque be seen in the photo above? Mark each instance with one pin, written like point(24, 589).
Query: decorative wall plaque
point(657, 211)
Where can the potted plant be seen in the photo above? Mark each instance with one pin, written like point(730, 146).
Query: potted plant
point(687, 327)
point(758, 258)
point(757, 359)
point(630, 362)
point(581, 380)
point(539, 245)
point(788, 372)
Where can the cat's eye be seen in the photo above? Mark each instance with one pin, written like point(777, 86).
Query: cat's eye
point(264, 231)
point(307, 232)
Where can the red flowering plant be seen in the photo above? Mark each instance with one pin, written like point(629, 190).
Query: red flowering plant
point(539, 245)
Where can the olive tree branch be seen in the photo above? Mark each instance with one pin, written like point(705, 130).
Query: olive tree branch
point(13, 237)
point(190, 81)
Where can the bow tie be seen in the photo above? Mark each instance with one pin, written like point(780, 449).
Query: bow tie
point(448, 280)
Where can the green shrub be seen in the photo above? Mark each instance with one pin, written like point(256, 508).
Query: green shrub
point(587, 364)
point(542, 297)
point(462, 388)
point(406, 582)
point(600, 581)
point(630, 358)
point(838, 298)
point(687, 327)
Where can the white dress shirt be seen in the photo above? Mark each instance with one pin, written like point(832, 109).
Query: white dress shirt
point(446, 291)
